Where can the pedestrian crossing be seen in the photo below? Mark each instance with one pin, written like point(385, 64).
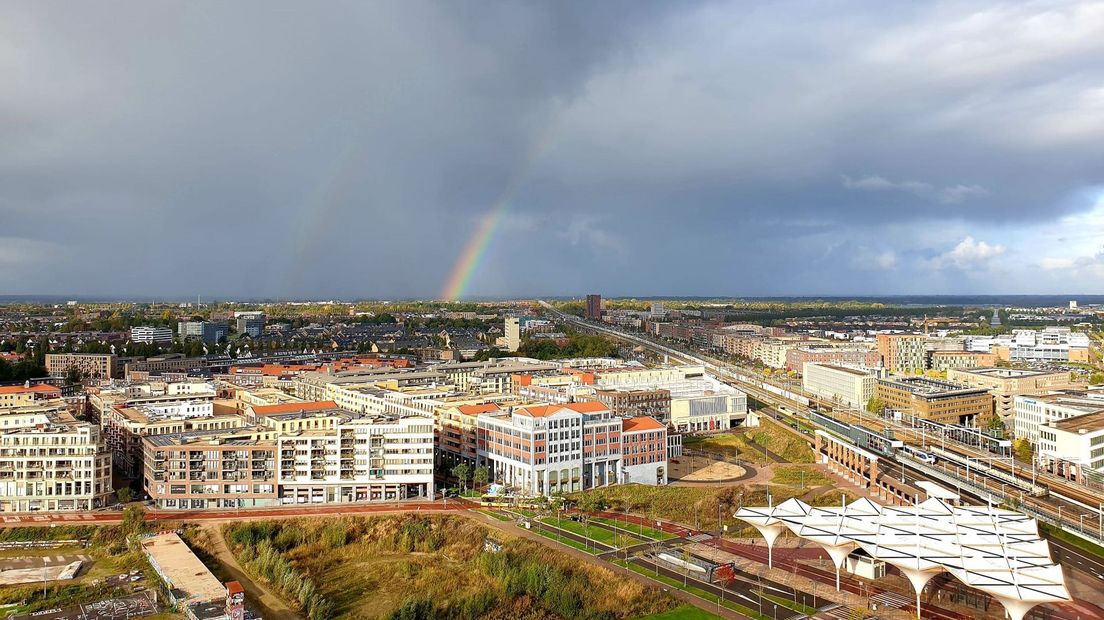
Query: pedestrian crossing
point(891, 600)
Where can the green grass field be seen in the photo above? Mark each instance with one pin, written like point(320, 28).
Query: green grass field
point(593, 532)
point(685, 612)
point(640, 531)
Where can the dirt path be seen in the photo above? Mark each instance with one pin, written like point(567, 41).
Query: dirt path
point(267, 603)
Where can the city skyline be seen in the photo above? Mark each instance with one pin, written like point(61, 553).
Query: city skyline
point(431, 151)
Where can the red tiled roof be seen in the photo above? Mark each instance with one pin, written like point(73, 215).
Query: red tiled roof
point(477, 409)
point(316, 405)
point(642, 423)
point(40, 388)
point(543, 411)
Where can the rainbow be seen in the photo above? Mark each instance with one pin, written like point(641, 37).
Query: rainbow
point(468, 264)
point(472, 255)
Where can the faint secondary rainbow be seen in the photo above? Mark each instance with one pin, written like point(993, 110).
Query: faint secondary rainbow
point(468, 264)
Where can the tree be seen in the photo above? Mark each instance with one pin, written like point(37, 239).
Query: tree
point(73, 376)
point(1097, 378)
point(995, 423)
point(1023, 449)
point(462, 471)
point(481, 476)
point(125, 495)
point(134, 520)
point(876, 405)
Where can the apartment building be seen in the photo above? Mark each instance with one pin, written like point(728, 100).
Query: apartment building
point(1005, 384)
point(852, 387)
point(210, 469)
point(294, 458)
point(208, 332)
point(151, 335)
point(124, 427)
point(852, 356)
point(902, 353)
point(593, 310)
point(250, 323)
point(27, 395)
point(51, 462)
point(160, 364)
point(934, 399)
point(92, 366)
point(1036, 412)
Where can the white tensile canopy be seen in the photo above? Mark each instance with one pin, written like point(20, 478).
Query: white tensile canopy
point(994, 550)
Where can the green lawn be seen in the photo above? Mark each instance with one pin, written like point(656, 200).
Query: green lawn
point(639, 530)
point(567, 541)
point(683, 612)
point(1082, 544)
point(494, 515)
point(594, 532)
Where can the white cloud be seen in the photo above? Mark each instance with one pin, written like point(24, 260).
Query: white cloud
point(968, 255)
point(953, 194)
point(1052, 264)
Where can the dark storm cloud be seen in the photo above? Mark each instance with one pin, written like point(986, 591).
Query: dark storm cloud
point(349, 149)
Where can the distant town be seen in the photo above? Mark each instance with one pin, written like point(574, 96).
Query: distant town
point(654, 437)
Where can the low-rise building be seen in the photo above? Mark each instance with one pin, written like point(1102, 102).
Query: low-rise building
point(934, 399)
point(644, 448)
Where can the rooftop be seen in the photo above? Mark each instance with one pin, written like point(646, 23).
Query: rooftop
point(642, 423)
point(314, 405)
point(182, 569)
point(1010, 373)
point(853, 371)
point(927, 387)
point(1090, 423)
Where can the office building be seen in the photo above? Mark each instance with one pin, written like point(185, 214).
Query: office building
point(902, 353)
point(1048, 345)
point(593, 307)
point(208, 332)
point(947, 360)
point(91, 366)
point(250, 323)
point(1005, 384)
point(151, 335)
point(1073, 448)
point(1036, 412)
point(548, 449)
point(852, 387)
point(51, 462)
point(934, 399)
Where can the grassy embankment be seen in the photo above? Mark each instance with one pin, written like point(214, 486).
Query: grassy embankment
point(412, 567)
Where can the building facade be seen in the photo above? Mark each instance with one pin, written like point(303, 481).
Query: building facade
point(593, 310)
point(902, 353)
point(151, 335)
point(849, 386)
point(933, 399)
point(92, 366)
point(1005, 384)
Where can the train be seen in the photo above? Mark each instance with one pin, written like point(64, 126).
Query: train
point(919, 455)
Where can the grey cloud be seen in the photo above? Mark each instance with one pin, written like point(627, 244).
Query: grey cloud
point(350, 149)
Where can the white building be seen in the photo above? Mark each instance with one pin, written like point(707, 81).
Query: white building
point(1036, 412)
point(151, 335)
point(1074, 447)
point(849, 386)
point(51, 462)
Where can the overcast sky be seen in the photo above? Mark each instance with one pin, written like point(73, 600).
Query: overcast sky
point(306, 150)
